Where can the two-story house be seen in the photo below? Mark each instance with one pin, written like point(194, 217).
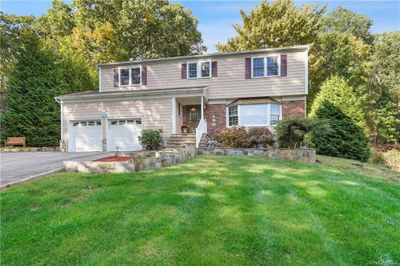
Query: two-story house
point(187, 94)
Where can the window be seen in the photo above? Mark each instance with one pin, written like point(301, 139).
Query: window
point(179, 108)
point(124, 76)
point(200, 69)
point(258, 67)
point(130, 76)
point(275, 114)
point(272, 66)
point(192, 70)
point(205, 69)
point(233, 116)
point(135, 75)
point(265, 66)
point(254, 115)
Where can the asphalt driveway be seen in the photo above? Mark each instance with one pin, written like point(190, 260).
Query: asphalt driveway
point(17, 167)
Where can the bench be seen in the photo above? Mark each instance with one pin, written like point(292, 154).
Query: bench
point(15, 141)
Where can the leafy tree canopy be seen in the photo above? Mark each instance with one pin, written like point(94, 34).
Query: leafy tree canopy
point(275, 24)
point(345, 21)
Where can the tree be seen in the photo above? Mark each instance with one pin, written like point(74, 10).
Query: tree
point(345, 21)
point(12, 27)
point(275, 24)
point(345, 139)
point(338, 54)
point(340, 94)
point(38, 76)
point(382, 94)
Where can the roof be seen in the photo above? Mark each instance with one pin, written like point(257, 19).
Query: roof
point(93, 95)
point(189, 57)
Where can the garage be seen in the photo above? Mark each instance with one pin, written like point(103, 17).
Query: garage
point(85, 136)
point(123, 134)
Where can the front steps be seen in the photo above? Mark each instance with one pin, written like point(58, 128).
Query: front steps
point(181, 140)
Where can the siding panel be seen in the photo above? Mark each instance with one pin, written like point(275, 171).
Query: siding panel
point(156, 113)
point(230, 83)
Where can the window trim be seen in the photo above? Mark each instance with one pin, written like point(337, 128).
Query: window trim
point(130, 75)
point(198, 68)
point(268, 116)
point(266, 65)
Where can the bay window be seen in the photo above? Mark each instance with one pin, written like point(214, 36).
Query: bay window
point(254, 115)
point(130, 76)
point(265, 66)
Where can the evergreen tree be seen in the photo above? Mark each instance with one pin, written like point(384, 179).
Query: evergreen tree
point(345, 139)
point(340, 94)
point(38, 76)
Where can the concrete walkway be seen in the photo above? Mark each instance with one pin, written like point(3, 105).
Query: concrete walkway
point(17, 167)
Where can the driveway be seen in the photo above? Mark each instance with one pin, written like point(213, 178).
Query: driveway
point(16, 167)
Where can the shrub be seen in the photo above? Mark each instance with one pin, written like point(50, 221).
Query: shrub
point(392, 160)
point(291, 133)
point(260, 137)
point(235, 137)
point(345, 139)
point(151, 139)
point(377, 157)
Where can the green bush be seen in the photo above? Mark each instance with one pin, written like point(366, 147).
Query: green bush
point(260, 137)
point(235, 137)
point(392, 159)
point(377, 157)
point(345, 139)
point(151, 139)
point(291, 133)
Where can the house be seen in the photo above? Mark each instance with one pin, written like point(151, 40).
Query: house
point(191, 94)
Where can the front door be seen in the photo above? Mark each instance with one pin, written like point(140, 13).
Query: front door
point(191, 117)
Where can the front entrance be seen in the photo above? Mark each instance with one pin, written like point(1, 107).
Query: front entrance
point(191, 117)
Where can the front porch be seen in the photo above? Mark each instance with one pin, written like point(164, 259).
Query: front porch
point(189, 123)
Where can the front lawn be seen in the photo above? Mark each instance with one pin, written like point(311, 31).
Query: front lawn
point(208, 211)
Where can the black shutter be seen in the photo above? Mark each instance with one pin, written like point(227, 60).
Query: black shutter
point(214, 68)
point(183, 71)
point(144, 75)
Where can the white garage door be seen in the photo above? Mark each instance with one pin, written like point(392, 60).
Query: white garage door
point(85, 136)
point(123, 134)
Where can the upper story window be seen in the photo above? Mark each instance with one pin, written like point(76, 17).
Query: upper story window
point(130, 76)
point(201, 69)
point(254, 115)
point(265, 66)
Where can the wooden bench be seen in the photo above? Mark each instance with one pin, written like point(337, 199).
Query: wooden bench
point(15, 141)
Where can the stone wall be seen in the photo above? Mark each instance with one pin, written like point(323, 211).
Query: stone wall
point(140, 161)
point(293, 109)
point(215, 115)
point(303, 155)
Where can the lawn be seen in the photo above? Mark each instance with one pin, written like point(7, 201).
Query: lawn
point(208, 211)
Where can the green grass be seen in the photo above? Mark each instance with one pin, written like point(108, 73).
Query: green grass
point(208, 211)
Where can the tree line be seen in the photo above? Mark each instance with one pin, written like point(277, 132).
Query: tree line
point(57, 53)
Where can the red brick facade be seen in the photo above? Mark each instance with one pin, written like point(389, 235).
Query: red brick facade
point(293, 109)
point(215, 115)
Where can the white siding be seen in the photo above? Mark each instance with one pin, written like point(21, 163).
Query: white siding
point(230, 83)
point(156, 113)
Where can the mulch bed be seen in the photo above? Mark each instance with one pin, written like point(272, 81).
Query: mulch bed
point(114, 159)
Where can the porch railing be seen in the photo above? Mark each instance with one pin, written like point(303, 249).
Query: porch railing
point(200, 130)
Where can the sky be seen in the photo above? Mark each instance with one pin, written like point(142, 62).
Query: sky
point(216, 17)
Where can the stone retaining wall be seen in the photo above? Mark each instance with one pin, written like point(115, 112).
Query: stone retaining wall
point(30, 149)
point(303, 155)
point(143, 160)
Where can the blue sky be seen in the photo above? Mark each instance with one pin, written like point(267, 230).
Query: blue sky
point(216, 17)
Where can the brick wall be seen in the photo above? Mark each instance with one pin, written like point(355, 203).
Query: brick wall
point(215, 115)
point(293, 109)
